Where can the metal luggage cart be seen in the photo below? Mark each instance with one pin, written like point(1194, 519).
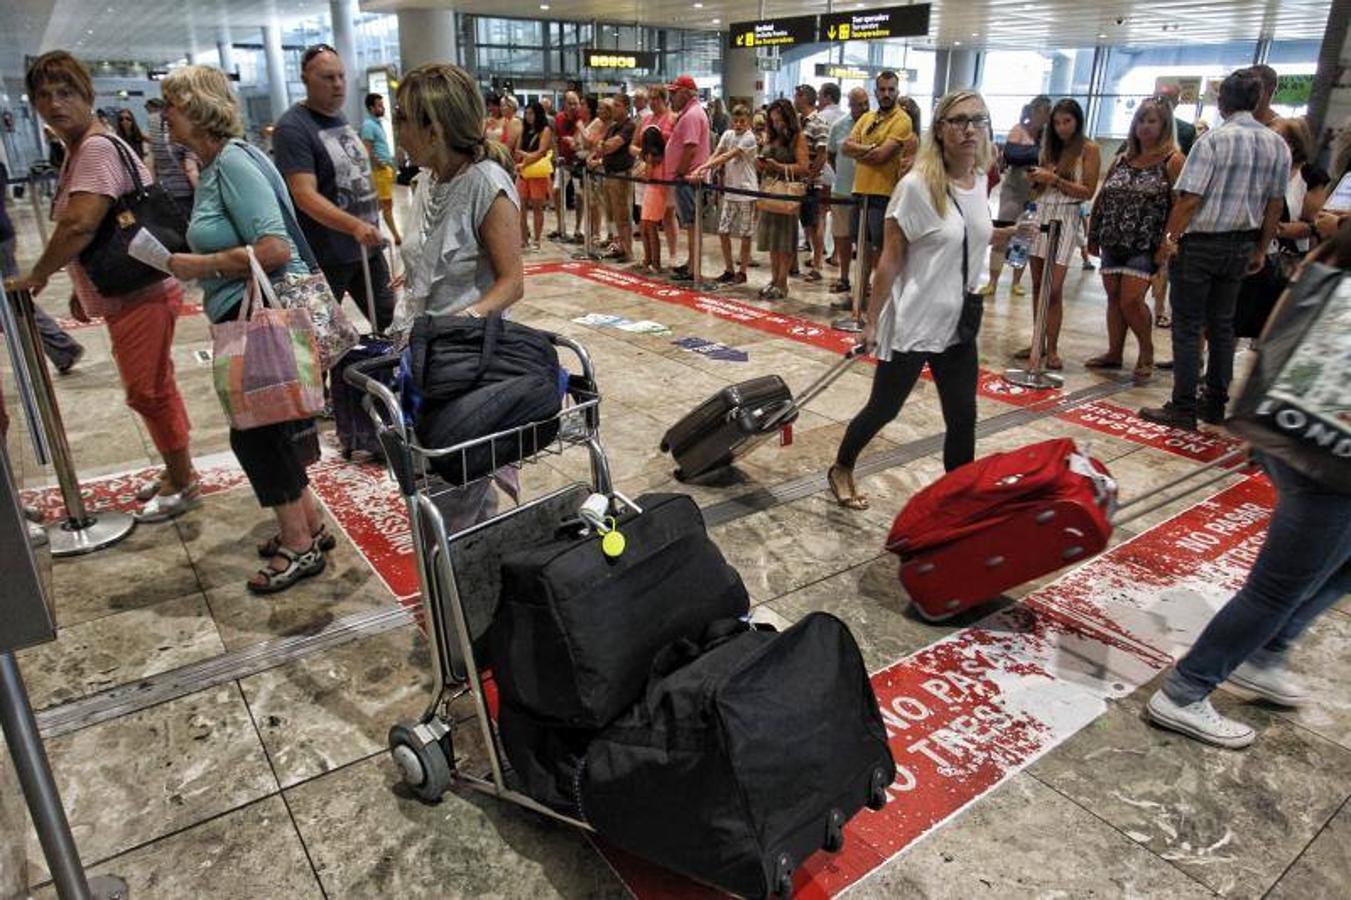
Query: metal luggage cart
point(459, 570)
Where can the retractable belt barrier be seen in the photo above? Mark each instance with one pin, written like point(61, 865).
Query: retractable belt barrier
point(697, 251)
point(81, 531)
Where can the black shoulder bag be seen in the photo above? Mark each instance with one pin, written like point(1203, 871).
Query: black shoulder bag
point(149, 206)
point(973, 304)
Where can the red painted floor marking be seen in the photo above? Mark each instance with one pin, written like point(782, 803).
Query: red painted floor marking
point(1123, 423)
point(975, 708)
point(118, 492)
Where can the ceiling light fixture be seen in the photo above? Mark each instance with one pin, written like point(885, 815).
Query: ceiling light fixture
point(717, 21)
point(544, 6)
point(1101, 35)
point(698, 6)
point(956, 43)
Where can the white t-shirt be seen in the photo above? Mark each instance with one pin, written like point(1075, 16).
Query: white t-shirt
point(926, 299)
point(739, 171)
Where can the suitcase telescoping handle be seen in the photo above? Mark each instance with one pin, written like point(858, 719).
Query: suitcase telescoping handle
point(1164, 494)
point(789, 410)
point(370, 293)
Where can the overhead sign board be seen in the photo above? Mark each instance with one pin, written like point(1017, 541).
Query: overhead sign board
point(620, 59)
point(787, 32)
point(875, 24)
point(840, 72)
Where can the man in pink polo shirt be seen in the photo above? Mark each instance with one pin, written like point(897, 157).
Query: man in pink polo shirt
point(687, 150)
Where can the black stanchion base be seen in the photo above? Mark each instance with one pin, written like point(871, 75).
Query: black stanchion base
point(849, 324)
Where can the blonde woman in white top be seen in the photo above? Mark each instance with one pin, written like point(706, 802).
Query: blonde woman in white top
point(936, 232)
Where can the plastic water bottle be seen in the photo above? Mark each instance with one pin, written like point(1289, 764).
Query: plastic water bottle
point(1024, 237)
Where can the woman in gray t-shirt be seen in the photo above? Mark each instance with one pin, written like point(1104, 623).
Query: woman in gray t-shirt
point(461, 245)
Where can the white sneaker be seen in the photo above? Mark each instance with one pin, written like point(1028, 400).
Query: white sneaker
point(1274, 682)
point(1201, 721)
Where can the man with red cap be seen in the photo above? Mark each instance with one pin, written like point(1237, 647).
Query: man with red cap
point(687, 150)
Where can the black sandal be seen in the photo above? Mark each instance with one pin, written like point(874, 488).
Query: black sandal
point(304, 564)
point(851, 500)
point(326, 542)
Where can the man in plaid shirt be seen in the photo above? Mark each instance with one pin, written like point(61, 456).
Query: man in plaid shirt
point(1228, 201)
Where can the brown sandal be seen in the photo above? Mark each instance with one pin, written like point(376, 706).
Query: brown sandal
point(853, 500)
point(1102, 362)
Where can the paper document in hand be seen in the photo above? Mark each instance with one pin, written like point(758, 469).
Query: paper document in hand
point(147, 248)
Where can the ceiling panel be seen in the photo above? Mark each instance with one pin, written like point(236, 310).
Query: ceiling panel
point(154, 31)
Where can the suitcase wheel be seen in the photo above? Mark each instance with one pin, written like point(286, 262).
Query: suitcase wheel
point(834, 832)
point(1072, 552)
point(424, 764)
point(950, 609)
point(347, 454)
point(783, 876)
point(877, 789)
point(1044, 517)
point(994, 561)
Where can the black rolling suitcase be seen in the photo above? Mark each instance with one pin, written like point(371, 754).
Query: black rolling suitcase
point(738, 418)
point(355, 428)
point(749, 752)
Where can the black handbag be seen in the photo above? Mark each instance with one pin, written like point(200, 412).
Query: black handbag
point(1257, 296)
point(749, 752)
point(106, 260)
point(973, 304)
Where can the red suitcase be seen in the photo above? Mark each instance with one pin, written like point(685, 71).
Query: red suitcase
point(998, 522)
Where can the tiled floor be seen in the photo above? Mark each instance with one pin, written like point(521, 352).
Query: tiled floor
point(277, 784)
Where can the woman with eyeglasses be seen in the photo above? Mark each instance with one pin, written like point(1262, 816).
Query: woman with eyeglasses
point(1126, 231)
point(1065, 177)
point(935, 235)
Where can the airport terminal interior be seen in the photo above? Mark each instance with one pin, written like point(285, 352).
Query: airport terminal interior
point(205, 739)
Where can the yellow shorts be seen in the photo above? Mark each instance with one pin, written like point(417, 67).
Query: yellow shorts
point(383, 176)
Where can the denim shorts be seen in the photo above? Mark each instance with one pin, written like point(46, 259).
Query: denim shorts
point(684, 197)
point(1128, 261)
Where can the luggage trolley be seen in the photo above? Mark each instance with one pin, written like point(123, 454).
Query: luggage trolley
point(459, 571)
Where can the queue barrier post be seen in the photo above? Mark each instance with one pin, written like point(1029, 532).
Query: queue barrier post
point(854, 323)
point(33, 182)
point(697, 243)
point(587, 251)
point(80, 531)
point(1035, 377)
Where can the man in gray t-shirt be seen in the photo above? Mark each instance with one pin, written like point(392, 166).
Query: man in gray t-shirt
point(329, 176)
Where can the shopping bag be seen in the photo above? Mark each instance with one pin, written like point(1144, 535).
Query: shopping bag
point(266, 361)
point(789, 199)
point(1297, 400)
point(333, 332)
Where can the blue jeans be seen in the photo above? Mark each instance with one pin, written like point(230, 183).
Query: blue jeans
point(1205, 277)
point(1304, 568)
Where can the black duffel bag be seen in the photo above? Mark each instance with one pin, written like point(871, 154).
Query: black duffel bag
point(147, 206)
point(477, 377)
point(576, 631)
point(749, 752)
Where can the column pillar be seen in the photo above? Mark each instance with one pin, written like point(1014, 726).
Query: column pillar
point(276, 70)
point(740, 76)
point(954, 69)
point(342, 18)
point(427, 36)
point(1062, 76)
point(226, 51)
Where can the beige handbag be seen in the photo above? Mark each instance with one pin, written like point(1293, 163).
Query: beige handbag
point(790, 196)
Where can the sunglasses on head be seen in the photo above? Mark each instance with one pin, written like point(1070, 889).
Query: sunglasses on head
point(314, 50)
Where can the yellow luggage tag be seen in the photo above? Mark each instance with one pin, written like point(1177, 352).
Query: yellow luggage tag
point(612, 543)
